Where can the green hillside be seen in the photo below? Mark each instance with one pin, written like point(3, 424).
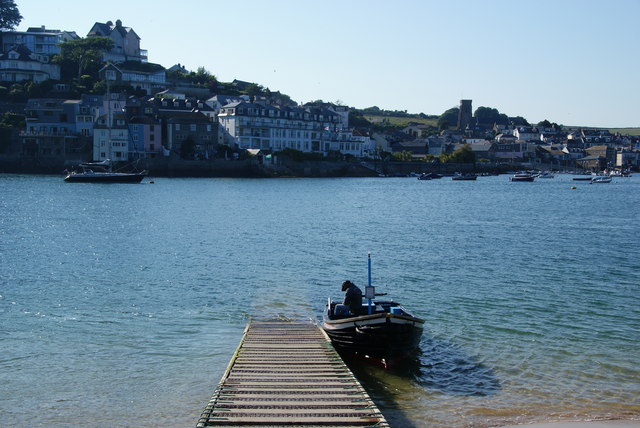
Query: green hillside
point(400, 121)
point(626, 131)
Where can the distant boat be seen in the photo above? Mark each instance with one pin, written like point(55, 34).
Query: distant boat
point(464, 177)
point(429, 176)
point(522, 176)
point(582, 177)
point(545, 174)
point(101, 172)
point(601, 179)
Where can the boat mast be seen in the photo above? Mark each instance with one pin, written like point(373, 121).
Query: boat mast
point(370, 291)
point(109, 113)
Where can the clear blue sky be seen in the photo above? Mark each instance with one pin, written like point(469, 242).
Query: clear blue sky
point(574, 62)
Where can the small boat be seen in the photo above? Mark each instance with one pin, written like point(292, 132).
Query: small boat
point(601, 179)
point(464, 177)
point(101, 172)
point(522, 176)
point(383, 332)
point(582, 177)
point(429, 176)
point(545, 174)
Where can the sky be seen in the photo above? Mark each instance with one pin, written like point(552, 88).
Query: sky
point(573, 62)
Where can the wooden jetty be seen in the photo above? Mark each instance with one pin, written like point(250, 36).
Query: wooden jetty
point(287, 374)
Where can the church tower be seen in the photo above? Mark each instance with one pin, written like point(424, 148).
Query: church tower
point(464, 115)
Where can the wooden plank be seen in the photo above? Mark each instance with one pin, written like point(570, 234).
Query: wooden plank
point(287, 374)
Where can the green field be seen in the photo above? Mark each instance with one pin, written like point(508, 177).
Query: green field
point(404, 121)
point(626, 131)
point(399, 121)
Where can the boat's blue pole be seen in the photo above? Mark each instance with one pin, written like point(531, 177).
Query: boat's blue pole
point(369, 269)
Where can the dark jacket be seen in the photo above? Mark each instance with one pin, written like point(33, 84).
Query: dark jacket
point(353, 298)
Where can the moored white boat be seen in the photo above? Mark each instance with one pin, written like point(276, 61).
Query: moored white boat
point(522, 176)
point(601, 179)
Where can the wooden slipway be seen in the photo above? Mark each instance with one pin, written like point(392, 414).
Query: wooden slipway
point(287, 374)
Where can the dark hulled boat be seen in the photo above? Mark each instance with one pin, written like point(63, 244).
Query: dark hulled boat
point(105, 177)
point(386, 335)
point(101, 172)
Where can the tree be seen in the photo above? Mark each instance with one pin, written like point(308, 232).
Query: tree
point(82, 55)
point(403, 156)
point(448, 118)
point(9, 15)
point(254, 90)
point(489, 116)
point(462, 155)
point(519, 121)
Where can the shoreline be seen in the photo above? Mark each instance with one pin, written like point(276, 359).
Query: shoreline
point(618, 423)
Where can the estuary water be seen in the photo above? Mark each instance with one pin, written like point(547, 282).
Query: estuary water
point(121, 305)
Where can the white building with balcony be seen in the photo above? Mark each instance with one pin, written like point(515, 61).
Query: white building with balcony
point(307, 129)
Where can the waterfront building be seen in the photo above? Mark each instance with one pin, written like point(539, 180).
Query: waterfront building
point(190, 134)
point(627, 158)
point(146, 137)
point(515, 151)
point(111, 137)
point(51, 129)
point(307, 129)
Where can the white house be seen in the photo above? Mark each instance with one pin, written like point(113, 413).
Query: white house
point(19, 64)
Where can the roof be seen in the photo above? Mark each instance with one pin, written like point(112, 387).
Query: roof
point(24, 54)
point(105, 29)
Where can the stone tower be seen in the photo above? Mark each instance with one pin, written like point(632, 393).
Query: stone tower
point(464, 115)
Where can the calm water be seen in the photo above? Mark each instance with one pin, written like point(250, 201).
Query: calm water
point(121, 305)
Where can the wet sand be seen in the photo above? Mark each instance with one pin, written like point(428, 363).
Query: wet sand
point(592, 424)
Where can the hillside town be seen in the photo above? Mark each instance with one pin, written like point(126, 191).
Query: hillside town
point(147, 112)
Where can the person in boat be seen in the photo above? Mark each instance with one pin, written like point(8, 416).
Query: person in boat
point(352, 300)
